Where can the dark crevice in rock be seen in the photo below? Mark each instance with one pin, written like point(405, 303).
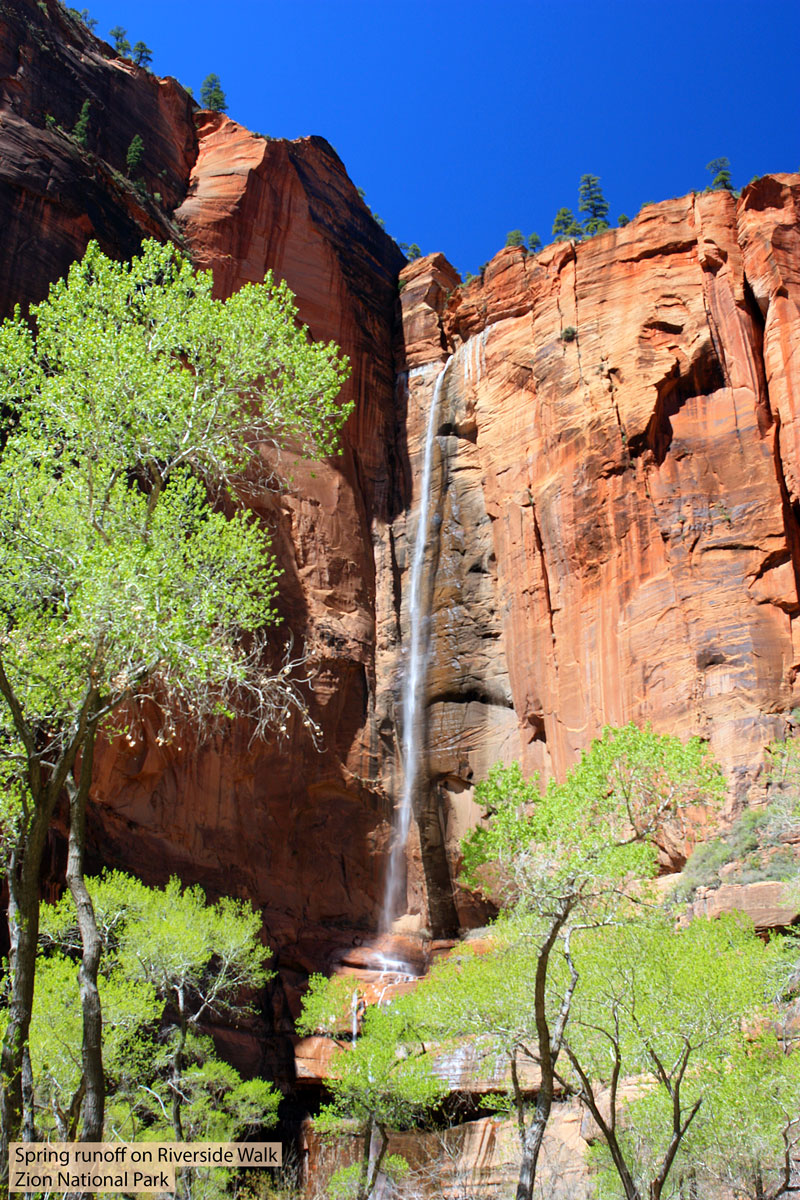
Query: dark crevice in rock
point(473, 695)
point(439, 885)
point(791, 509)
point(757, 323)
point(537, 533)
point(704, 376)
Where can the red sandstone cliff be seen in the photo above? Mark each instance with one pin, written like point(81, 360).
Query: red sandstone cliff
point(616, 512)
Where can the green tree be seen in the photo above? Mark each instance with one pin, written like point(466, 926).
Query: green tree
point(410, 250)
point(720, 169)
point(83, 15)
point(121, 43)
point(134, 156)
point(575, 856)
point(515, 238)
point(746, 1137)
point(142, 54)
point(384, 1081)
point(666, 1007)
point(534, 243)
point(623, 220)
point(593, 203)
point(169, 962)
point(566, 225)
point(195, 962)
point(212, 95)
point(119, 580)
point(81, 129)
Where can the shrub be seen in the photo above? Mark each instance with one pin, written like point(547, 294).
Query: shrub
point(515, 238)
point(81, 130)
point(133, 159)
point(568, 334)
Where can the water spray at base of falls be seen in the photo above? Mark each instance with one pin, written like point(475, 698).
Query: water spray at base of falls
point(414, 678)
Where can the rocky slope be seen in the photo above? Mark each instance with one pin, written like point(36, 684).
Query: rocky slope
point(616, 491)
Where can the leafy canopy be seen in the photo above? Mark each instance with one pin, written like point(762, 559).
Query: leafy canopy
point(132, 396)
point(595, 830)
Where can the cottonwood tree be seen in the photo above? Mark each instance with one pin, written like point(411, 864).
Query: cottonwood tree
point(127, 572)
point(668, 1008)
point(170, 963)
point(574, 858)
point(384, 1081)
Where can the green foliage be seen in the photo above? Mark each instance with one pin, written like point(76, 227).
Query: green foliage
point(593, 203)
point(568, 334)
point(83, 15)
point(596, 828)
point(383, 1081)
point(410, 250)
point(171, 939)
point(212, 95)
point(515, 238)
point(142, 55)
point(121, 43)
point(385, 1077)
point(720, 170)
point(752, 848)
point(166, 953)
point(623, 220)
point(134, 156)
point(534, 243)
point(666, 1007)
point(566, 226)
point(327, 1005)
point(81, 129)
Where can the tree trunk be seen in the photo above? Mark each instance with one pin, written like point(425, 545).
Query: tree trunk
point(23, 929)
point(532, 1144)
point(92, 1048)
point(548, 1057)
point(182, 1175)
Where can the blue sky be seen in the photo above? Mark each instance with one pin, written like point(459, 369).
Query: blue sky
point(463, 121)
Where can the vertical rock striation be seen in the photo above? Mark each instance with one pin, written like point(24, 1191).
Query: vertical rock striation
point(619, 489)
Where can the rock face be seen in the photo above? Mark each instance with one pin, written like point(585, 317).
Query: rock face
point(56, 194)
point(617, 488)
point(616, 508)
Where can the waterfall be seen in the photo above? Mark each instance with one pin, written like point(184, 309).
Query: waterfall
point(414, 678)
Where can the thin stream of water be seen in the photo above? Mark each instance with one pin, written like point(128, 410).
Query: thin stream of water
point(393, 901)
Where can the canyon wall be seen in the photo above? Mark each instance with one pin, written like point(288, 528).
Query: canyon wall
point(616, 530)
point(617, 488)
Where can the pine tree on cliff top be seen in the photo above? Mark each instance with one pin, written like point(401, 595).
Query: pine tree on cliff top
point(594, 204)
point(212, 95)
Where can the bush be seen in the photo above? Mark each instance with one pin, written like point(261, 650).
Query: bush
point(81, 130)
point(515, 238)
point(568, 334)
point(133, 159)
